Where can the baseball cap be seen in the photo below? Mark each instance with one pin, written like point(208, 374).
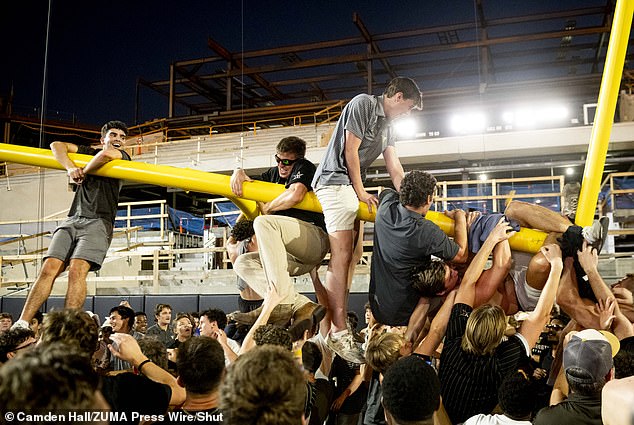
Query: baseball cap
point(590, 352)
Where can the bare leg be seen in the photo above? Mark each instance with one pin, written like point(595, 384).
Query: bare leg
point(539, 267)
point(77, 273)
point(536, 217)
point(337, 276)
point(42, 287)
point(357, 253)
point(581, 310)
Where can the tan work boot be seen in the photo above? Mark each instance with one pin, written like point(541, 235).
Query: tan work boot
point(280, 316)
point(307, 317)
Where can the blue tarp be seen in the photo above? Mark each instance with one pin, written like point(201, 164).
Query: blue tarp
point(178, 220)
point(229, 220)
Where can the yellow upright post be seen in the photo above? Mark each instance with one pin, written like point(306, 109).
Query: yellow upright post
point(606, 106)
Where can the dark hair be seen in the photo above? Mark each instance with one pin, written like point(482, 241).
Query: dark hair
point(353, 320)
point(242, 230)
point(624, 359)
point(416, 188)
point(273, 335)
point(154, 350)
point(216, 315)
point(71, 326)
point(5, 315)
point(411, 390)
point(200, 364)
point(39, 316)
point(10, 340)
point(183, 315)
point(64, 368)
point(408, 87)
point(140, 313)
point(292, 144)
point(518, 395)
point(119, 125)
point(311, 357)
point(159, 307)
point(126, 313)
point(264, 387)
point(429, 278)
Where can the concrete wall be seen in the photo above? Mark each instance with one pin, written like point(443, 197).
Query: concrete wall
point(19, 196)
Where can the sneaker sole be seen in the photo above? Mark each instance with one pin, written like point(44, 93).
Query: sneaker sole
point(344, 356)
point(605, 223)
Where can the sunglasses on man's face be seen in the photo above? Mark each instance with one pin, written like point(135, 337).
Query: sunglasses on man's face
point(285, 161)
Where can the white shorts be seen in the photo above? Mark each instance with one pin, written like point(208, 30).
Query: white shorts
point(340, 205)
point(527, 297)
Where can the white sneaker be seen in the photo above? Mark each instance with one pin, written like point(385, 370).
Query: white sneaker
point(597, 233)
point(20, 324)
point(346, 347)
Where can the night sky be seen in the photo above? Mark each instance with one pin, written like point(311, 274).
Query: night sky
point(98, 49)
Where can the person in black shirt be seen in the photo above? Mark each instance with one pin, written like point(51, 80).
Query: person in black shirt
point(82, 240)
point(291, 242)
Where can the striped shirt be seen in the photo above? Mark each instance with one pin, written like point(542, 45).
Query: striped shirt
point(365, 118)
point(469, 382)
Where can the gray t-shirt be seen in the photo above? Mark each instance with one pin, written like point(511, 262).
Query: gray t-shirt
point(96, 197)
point(403, 239)
point(365, 118)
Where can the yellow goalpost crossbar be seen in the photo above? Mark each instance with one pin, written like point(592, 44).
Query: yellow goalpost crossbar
point(526, 240)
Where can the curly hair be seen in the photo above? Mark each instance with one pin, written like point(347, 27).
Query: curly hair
point(273, 335)
point(383, 350)
point(154, 350)
point(10, 340)
point(624, 365)
point(118, 125)
point(71, 326)
point(417, 188)
point(264, 386)
point(517, 395)
point(200, 364)
point(411, 390)
point(64, 367)
point(292, 144)
point(429, 278)
point(242, 230)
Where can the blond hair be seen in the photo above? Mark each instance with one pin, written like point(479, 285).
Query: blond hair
point(484, 331)
point(383, 350)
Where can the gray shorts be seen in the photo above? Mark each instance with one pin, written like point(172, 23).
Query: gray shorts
point(82, 238)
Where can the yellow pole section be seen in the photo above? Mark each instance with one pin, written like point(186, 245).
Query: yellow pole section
point(200, 181)
point(606, 106)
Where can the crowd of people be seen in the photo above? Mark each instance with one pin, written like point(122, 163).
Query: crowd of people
point(458, 330)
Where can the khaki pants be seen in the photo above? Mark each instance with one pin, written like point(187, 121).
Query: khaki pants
point(286, 247)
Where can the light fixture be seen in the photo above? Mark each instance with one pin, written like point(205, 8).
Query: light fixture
point(405, 127)
point(570, 171)
point(471, 122)
point(483, 177)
